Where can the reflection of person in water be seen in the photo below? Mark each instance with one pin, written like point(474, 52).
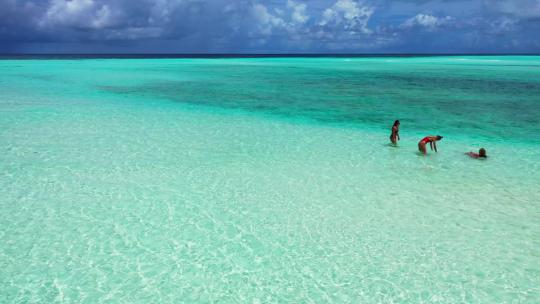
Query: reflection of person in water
point(481, 153)
point(432, 140)
point(394, 137)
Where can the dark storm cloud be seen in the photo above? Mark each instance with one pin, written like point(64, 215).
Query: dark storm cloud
point(269, 26)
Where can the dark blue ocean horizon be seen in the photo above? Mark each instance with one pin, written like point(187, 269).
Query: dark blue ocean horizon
point(9, 56)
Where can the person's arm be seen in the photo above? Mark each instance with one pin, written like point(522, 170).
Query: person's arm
point(397, 133)
point(431, 145)
point(435, 146)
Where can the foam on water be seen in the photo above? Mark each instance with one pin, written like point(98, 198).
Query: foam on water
point(152, 181)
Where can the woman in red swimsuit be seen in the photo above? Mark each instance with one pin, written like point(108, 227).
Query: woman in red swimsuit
point(432, 140)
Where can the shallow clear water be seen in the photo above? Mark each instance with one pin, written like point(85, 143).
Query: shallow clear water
point(269, 180)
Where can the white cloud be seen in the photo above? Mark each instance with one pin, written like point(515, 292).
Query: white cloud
point(269, 22)
point(299, 12)
point(351, 15)
point(427, 21)
point(266, 21)
point(162, 9)
point(78, 13)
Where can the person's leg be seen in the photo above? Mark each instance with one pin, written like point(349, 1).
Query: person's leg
point(422, 147)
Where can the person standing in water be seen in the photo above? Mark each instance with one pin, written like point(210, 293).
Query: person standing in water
point(481, 153)
point(432, 140)
point(394, 137)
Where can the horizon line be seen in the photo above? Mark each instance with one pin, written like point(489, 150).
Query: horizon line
point(248, 55)
point(285, 53)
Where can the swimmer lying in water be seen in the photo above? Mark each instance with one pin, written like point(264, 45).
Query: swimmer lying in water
point(481, 153)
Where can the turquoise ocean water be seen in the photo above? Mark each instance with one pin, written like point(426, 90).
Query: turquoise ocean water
point(269, 180)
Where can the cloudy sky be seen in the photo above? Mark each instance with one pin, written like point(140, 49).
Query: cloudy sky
point(269, 26)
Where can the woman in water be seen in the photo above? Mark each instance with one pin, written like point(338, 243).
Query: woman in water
point(432, 140)
point(394, 137)
point(481, 154)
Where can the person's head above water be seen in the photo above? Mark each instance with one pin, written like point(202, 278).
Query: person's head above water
point(396, 123)
point(482, 152)
point(438, 137)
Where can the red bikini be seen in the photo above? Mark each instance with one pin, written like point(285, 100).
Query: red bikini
point(426, 139)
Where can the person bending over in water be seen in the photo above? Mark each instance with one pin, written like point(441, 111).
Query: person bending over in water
point(432, 140)
point(394, 137)
point(481, 154)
